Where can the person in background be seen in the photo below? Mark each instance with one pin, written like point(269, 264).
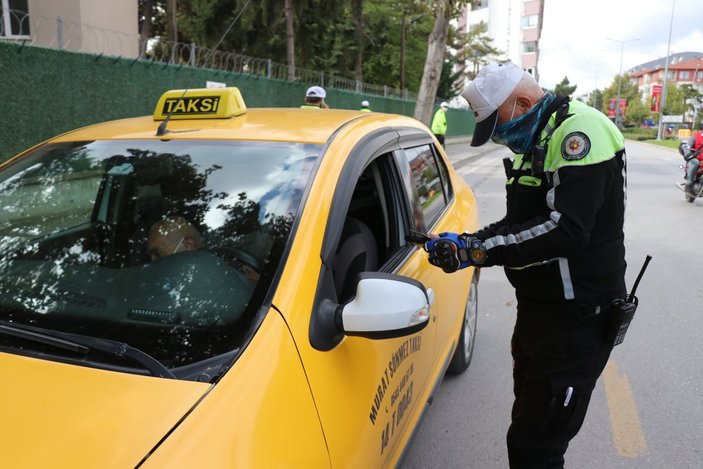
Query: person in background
point(170, 236)
point(439, 122)
point(365, 106)
point(315, 98)
point(562, 247)
point(695, 162)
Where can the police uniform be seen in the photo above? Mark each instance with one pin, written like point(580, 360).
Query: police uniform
point(439, 124)
point(562, 246)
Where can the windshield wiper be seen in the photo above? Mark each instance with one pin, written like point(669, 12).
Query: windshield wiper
point(84, 344)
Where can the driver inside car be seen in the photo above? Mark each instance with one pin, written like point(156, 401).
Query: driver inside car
point(172, 235)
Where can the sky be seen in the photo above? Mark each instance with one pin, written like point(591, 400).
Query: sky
point(575, 44)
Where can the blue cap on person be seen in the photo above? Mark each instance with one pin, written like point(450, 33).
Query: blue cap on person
point(486, 93)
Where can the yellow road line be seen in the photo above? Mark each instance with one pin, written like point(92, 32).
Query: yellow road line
point(628, 436)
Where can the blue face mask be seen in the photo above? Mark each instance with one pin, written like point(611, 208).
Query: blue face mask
point(518, 134)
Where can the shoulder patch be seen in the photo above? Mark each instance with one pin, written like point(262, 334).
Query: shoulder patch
point(575, 146)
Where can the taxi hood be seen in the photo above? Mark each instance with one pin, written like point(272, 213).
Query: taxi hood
point(55, 414)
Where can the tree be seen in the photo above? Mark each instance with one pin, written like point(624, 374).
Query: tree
point(596, 100)
point(152, 22)
point(478, 50)
point(444, 10)
point(451, 81)
point(289, 9)
point(675, 100)
point(694, 101)
point(564, 87)
point(357, 8)
point(637, 111)
point(355, 39)
point(628, 92)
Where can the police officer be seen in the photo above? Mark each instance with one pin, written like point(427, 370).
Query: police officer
point(439, 122)
point(561, 243)
point(365, 106)
point(315, 98)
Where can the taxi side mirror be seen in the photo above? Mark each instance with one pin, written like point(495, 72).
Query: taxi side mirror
point(385, 306)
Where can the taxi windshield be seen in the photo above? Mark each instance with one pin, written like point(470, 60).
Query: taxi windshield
point(169, 247)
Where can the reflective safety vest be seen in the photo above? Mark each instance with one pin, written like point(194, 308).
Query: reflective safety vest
point(439, 122)
point(562, 236)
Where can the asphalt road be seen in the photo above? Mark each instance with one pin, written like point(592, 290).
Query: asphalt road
point(646, 410)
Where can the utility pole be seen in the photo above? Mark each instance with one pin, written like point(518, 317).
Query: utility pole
point(666, 72)
point(618, 116)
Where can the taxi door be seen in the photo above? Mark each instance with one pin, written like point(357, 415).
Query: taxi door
point(441, 205)
point(370, 393)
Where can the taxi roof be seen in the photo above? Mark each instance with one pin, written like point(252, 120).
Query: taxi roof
point(267, 124)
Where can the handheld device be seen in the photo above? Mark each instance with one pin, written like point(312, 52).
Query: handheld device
point(623, 311)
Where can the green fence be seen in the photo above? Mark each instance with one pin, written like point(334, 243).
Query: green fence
point(44, 92)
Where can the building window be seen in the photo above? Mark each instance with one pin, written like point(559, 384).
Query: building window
point(684, 75)
point(14, 18)
point(529, 47)
point(529, 21)
point(699, 76)
point(530, 70)
point(480, 4)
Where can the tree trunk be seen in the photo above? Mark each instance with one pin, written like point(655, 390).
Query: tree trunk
point(357, 12)
point(436, 50)
point(289, 9)
point(171, 27)
point(147, 25)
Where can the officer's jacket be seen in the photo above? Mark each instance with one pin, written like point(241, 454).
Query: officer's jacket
point(439, 122)
point(562, 237)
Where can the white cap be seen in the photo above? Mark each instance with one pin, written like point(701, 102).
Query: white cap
point(316, 92)
point(364, 104)
point(444, 105)
point(485, 94)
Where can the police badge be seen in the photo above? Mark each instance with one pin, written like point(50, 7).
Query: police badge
point(575, 146)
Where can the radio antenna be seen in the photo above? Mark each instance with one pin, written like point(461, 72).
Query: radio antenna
point(162, 127)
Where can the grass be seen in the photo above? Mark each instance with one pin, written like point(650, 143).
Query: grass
point(649, 136)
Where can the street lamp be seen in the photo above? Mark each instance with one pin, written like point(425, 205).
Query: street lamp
point(666, 72)
point(618, 117)
point(594, 94)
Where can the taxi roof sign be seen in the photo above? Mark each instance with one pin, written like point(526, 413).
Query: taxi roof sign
point(200, 103)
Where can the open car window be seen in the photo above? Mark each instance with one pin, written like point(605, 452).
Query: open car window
point(169, 246)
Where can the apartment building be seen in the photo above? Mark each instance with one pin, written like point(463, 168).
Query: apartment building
point(684, 68)
point(96, 26)
point(515, 27)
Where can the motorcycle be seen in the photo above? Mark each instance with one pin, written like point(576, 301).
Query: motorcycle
point(688, 155)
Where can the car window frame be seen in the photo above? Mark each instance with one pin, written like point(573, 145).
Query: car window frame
point(376, 144)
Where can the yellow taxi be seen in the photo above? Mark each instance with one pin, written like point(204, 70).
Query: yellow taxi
point(217, 287)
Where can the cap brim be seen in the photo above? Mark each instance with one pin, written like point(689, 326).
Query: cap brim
point(484, 130)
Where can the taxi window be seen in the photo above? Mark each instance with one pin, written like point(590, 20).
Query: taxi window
point(169, 246)
point(430, 183)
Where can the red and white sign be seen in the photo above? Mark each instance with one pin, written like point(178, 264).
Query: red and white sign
point(656, 98)
point(611, 107)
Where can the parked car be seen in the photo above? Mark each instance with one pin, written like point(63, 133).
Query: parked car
point(216, 286)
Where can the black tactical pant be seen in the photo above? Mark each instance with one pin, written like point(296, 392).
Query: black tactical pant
point(559, 350)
